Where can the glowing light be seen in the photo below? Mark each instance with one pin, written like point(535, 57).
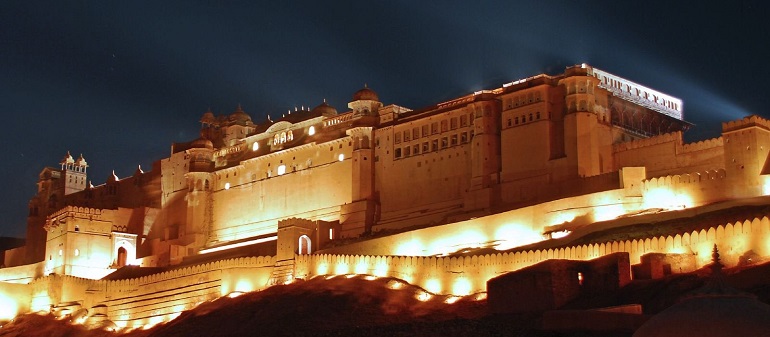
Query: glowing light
point(350, 275)
point(341, 268)
point(514, 235)
point(559, 234)
point(433, 285)
point(227, 186)
point(234, 294)
point(580, 278)
point(480, 297)
point(281, 169)
point(409, 248)
point(239, 244)
point(8, 307)
point(244, 285)
point(393, 284)
point(311, 130)
point(341, 157)
point(60, 252)
point(452, 299)
point(462, 286)
point(381, 270)
point(77, 252)
point(322, 269)
point(666, 199)
point(255, 146)
point(608, 210)
point(360, 268)
point(370, 278)
point(563, 217)
point(423, 296)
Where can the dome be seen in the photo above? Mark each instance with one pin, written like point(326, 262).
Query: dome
point(67, 159)
point(324, 109)
point(81, 161)
point(366, 94)
point(240, 117)
point(208, 117)
point(202, 143)
point(715, 310)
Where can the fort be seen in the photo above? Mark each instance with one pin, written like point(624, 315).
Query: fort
point(447, 197)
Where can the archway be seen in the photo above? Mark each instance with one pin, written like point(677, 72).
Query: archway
point(304, 245)
point(122, 257)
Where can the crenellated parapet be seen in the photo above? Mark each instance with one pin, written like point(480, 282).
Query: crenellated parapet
point(747, 121)
point(647, 142)
point(703, 145)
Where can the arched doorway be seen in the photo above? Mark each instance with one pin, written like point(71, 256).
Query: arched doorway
point(122, 257)
point(304, 245)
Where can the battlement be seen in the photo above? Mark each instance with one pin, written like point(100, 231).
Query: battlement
point(640, 143)
point(746, 122)
point(703, 145)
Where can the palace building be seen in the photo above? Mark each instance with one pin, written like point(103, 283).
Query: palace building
point(532, 160)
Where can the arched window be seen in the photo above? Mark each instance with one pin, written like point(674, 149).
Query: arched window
point(283, 137)
point(304, 245)
point(276, 139)
point(290, 136)
point(122, 257)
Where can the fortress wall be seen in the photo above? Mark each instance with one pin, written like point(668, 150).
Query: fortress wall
point(258, 197)
point(22, 274)
point(507, 229)
point(689, 189)
point(14, 299)
point(146, 300)
point(668, 155)
point(161, 297)
point(468, 274)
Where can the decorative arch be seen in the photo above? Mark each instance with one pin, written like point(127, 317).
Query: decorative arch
point(304, 245)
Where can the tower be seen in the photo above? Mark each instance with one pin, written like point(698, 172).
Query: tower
point(73, 173)
point(365, 102)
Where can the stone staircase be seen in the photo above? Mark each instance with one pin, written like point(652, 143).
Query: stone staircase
point(282, 272)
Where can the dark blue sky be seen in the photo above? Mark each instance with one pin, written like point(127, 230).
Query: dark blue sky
point(120, 81)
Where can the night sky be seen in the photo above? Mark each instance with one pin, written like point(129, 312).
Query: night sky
point(120, 81)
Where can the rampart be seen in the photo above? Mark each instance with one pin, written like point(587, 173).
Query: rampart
point(668, 154)
point(462, 275)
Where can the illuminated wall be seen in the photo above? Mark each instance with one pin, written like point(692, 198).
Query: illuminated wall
point(467, 275)
point(309, 182)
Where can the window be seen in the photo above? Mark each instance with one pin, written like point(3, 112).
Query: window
point(341, 157)
point(425, 130)
point(406, 136)
point(537, 115)
point(453, 123)
point(283, 137)
point(77, 252)
point(434, 128)
point(416, 149)
point(398, 153)
point(289, 136)
point(463, 120)
point(516, 120)
point(425, 147)
point(434, 145)
point(464, 137)
point(397, 138)
point(281, 169)
point(407, 151)
point(453, 140)
point(227, 186)
point(276, 139)
point(509, 122)
point(530, 117)
point(443, 126)
point(444, 142)
point(311, 130)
